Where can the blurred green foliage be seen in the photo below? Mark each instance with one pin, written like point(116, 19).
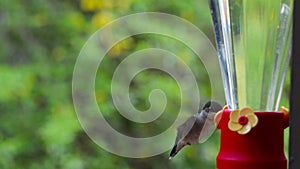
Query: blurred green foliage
point(40, 41)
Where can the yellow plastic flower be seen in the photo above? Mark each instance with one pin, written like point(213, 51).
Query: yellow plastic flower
point(285, 110)
point(218, 116)
point(242, 120)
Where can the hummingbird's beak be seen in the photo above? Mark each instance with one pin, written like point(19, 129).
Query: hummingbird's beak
point(173, 152)
point(177, 147)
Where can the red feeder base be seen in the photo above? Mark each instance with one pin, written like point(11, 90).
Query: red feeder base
point(261, 148)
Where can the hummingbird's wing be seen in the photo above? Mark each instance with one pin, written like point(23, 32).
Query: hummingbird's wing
point(209, 111)
point(184, 129)
point(208, 128)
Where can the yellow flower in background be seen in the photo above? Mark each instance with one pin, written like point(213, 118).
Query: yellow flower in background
point(188, 15)
point(108, 4)
point(101, 18)
point(115, 51)
point(123, 5)
point(125, 44)
point(94, 5)
point(242, 120)
point(91, 5)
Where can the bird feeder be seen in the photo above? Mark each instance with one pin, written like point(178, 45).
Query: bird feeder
point(253, 41)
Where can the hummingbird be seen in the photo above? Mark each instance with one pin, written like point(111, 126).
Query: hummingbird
point(196, 127)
